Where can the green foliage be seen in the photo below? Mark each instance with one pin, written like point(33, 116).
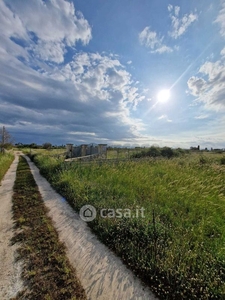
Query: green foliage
point(47, 146)
point(222, 161)
point(178, 248)
point(166, 152)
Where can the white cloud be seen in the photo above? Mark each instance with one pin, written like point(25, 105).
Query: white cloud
point(151, 40)
point(180, 25)
point(50, 51)
point(164, 117)
point(221, 19)
point(54, 25)
point(12, 24)
point(176, 10)
point(196, 85)
point(222, 53)
point(170, 7)
point(210, 89)
point(163, 49)
point(201, 117)
point(91, 93)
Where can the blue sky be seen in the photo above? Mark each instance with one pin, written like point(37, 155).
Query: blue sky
point(90, 71)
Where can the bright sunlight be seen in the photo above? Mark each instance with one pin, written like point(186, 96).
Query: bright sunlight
point(163, 95)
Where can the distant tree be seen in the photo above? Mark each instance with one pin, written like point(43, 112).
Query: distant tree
point(6, 140)
point(47, 146)
point(167, 152)
point(154, 151)
point(33, 145)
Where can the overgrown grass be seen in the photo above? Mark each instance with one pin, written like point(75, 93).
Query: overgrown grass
point(178, 249)
point(5, 162)
point(47, 272)
point(49, 152)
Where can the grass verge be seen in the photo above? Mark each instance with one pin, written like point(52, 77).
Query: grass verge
point(47, 272)
point(5, 162)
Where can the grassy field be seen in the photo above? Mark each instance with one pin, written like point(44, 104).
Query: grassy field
point(5, 162)
point(50, 152)
point(178, 247)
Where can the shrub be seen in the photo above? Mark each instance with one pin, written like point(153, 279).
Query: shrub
point(222, 161)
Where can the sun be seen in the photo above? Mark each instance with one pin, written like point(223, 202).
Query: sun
point(163, 95)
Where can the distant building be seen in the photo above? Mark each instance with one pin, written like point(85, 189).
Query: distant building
point(195, 148)
point(86, 150)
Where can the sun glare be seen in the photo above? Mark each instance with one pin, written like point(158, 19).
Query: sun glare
point(163, 95)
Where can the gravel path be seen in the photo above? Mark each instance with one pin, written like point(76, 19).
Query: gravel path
point(101, 273)
point(10, 270)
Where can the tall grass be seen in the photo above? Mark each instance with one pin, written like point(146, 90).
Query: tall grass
point(5, 162)
point(178, 248)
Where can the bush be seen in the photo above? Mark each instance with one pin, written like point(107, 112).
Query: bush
point(222, 161)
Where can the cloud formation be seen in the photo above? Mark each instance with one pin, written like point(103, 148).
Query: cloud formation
point(164, 117)
point(89, 97)
point(54, 26)
point(211, 88)
point(221, 19)
point(180, 24)
point(152, 40)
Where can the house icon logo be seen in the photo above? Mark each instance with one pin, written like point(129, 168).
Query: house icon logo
point(87, 213)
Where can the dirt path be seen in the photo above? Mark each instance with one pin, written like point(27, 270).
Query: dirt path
point(10, 271)
point(101, 273)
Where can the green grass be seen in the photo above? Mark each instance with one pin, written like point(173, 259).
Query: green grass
point(5, 162)
point(47, 272)
point(50, 152)
point(178, 249)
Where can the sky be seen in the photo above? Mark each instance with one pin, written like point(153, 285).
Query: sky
point(91, 72)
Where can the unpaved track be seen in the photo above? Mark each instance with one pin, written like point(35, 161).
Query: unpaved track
point(10, 271)
point(102, 274)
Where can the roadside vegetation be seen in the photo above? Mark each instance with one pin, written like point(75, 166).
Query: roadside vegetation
point(5, 162)
point(47, 272)
point(178, 247)
point(160, 152)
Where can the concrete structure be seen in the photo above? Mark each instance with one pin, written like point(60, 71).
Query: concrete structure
point(86, 150)
point(195, 148)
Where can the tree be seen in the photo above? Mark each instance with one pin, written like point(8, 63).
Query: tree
point(6, 141)
point(47, 146)
point(167, 152)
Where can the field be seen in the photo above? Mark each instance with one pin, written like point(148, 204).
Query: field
point(5, 162)
point(177, 246)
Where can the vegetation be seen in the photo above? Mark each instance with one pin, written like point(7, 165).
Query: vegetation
point(6, 140)
point(5, 162)
point(160, 152)
point(178, 247)
point(46, 271)
point(35, 146)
